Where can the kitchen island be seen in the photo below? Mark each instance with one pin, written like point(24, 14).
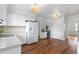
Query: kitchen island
point(9, 44)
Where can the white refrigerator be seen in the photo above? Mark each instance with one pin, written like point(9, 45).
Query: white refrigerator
point(31, 31)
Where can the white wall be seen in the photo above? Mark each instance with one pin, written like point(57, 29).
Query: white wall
point(3, 12)
point(57, 28)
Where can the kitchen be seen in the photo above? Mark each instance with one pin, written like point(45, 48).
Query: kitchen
point(27, 23)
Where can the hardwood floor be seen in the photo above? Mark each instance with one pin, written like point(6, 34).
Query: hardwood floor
point(47, 46)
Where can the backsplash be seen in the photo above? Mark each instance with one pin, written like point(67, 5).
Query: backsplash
point(2, 29)
point(15, 29)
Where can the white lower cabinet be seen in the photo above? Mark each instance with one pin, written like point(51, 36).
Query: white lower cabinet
point(43, 35)
point(11, 50)
point(22, 36)
point(78, 48)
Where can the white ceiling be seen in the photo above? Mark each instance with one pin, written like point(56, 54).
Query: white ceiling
point(47, 9)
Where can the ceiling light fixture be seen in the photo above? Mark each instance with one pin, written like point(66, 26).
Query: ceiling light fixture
point(35, 8)
point(56, 14)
